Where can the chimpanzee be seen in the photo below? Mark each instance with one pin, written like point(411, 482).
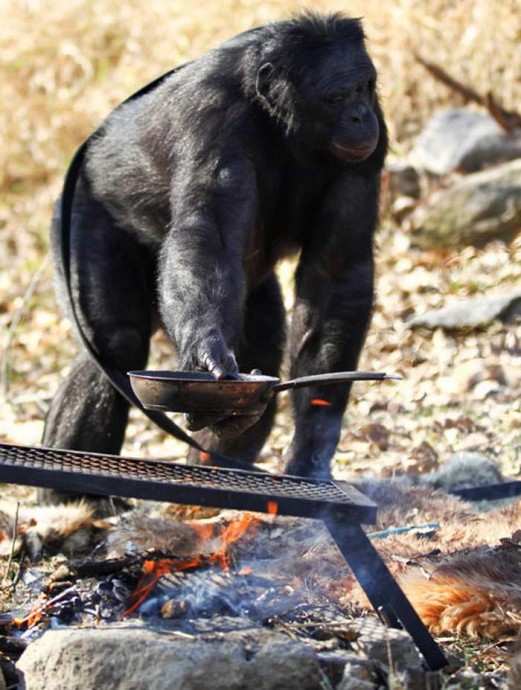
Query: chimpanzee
point(267, 146)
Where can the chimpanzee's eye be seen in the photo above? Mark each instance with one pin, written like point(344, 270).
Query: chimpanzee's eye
point(365, 87)
point(334, 98)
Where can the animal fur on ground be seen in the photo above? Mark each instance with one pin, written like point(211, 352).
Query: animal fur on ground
point(39, 530)
point(466, 577)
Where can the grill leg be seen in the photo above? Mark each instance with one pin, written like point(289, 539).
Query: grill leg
point(382, 590)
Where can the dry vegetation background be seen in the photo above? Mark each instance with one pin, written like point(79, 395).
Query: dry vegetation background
point(64, 66)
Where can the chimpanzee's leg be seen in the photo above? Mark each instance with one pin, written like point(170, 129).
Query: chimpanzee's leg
point(262, 348)
point(86, 413)
point(112, 297)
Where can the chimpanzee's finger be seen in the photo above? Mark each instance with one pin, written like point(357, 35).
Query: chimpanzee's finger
point(236, 425)
point(196, 422)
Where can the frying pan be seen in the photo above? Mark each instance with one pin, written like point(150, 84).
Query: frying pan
point(243, 394)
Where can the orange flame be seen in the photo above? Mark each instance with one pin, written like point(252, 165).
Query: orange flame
point(233, 532)
point(204, 531)
point(272, 507)
point(33, 617)
point(153, 570)
point(318, 402)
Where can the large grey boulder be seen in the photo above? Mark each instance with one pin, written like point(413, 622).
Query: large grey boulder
point(134, 659)
point(465, 141)
point(476, 209)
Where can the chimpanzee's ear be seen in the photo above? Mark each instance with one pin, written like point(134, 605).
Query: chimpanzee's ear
point(262, 84)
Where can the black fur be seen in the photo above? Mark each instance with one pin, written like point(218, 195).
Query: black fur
point(269, 145)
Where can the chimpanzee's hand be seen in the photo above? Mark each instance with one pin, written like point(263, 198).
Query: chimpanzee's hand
point(224, 426)
point(215, 357)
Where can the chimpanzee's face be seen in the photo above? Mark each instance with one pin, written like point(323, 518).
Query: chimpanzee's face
point(336, 104)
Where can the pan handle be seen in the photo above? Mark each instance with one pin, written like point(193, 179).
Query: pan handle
point(331, 379)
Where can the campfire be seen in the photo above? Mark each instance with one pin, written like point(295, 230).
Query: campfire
point(227, 567)
point(199, 572)
point(224, 575)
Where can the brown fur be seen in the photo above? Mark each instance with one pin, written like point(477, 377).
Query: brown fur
point(459, 526)
point(475, 586)
point(476, 593)
point(140, 532)
point(401, 504)
point(69, 529)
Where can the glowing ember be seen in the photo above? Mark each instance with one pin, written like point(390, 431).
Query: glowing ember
point(152, 572)
point(204, 457)
point(318, 402)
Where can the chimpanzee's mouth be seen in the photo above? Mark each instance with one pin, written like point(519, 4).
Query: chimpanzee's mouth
point(352, 154)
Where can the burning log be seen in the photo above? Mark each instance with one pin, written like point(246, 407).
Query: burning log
point(221, 541)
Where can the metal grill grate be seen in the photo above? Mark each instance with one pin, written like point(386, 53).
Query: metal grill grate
point(158, 480)
point(334, 502)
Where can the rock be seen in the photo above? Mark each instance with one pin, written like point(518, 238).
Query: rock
point(395, 650)
point(474, 313)
point(514, 673)
point(463, 140)
point(359, 674)
point(133, 659)
point(355, 683)
point(333, 664)
point(402, 207)
point(391, 647)
point(464, 470)
point(403, 179)
point(478, 208)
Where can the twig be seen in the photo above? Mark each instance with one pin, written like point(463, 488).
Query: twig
point(442, 76)
point(19, 572)
point(13, 542)
point(11, 331)
point(508, 120)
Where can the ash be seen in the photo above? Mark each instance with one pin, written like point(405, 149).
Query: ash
point(208, 600)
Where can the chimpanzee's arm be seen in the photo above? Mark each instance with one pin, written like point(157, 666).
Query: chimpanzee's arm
point(201, 277)
point(334, 289)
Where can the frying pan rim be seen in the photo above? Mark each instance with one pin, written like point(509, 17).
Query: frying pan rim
point(199, 377)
